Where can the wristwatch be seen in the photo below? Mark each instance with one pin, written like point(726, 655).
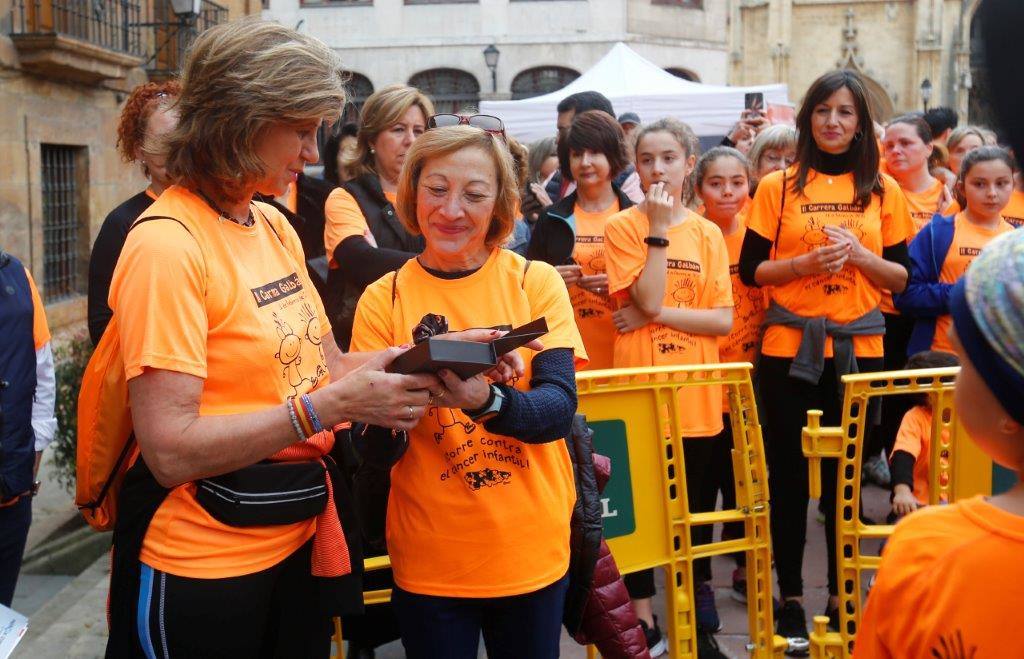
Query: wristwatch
point(492, 408)
point(656, 242)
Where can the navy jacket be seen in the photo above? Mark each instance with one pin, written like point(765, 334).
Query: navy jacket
point(17, 379)
point(925, 297)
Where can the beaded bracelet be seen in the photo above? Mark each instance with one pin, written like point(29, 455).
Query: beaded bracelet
point(295, 420)
point(300, 414)
point(307, 405)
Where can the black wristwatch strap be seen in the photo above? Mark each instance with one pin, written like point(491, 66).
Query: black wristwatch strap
point(656, 242)
point(483, 408)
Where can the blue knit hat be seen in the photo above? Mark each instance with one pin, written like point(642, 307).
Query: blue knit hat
point(987, 305)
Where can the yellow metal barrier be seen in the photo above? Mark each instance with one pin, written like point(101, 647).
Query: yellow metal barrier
point(958, 470)
point(637, 422)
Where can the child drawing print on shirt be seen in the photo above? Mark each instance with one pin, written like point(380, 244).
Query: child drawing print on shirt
point(446, 419)
point(815, 235)
point(289, 353)
point(487, 478)
point(314, 337)
point(684, 292)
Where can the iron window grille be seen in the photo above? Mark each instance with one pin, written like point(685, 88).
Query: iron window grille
point(65, 236)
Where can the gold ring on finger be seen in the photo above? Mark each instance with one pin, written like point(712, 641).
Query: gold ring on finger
point(409, 418)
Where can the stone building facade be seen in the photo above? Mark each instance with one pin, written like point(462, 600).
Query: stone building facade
point(896, 44)
point(66, 67)
point(438, 45)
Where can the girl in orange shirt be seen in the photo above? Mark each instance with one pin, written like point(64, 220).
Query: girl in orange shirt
point(570, 234)
point(908, 148)
point(671, 269)
point(828, 235)
point(722, 180)
point(942, 251)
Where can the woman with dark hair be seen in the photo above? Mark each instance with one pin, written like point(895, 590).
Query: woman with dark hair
point(828, 234)
point(570, 234)
point(148, 115)
point(363, 237)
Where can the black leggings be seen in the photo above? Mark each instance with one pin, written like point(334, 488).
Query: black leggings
point(785, 401)
point(697, 459)
point(272, 613)
point(720, 479)
point(897, 336)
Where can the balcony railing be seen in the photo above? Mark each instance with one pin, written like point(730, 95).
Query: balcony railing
point(146, 29)
point(109, 24)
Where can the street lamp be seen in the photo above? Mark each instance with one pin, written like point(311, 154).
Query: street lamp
point(186, 8)
point(491, 54)
point(926, 92)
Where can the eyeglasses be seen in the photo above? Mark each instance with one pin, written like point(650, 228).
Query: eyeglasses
point(484, 122)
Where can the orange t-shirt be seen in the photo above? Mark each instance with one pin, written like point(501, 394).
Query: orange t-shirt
point(593, 311)
point(922, 207)
point(1014, 211)
point(222, 302)
point(950, 578)
point(40, 329)
point(472, 513)
point(842, 296)
point(697, 278)
point(915, 437)
point(343, 219)
point(968, 241)
point(748, 307)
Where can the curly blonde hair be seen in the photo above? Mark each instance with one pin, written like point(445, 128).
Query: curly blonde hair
point(239, 79)
point(440, 142)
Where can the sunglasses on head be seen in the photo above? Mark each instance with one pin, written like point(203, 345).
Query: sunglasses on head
point(484, 122)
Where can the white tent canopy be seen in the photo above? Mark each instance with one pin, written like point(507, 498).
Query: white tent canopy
point(635, 84)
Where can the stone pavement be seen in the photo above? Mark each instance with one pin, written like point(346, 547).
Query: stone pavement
point(72, 624)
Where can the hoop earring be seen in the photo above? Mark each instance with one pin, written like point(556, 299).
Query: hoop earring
point(858, 135)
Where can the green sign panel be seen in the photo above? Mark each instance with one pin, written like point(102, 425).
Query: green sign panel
point(617, 499)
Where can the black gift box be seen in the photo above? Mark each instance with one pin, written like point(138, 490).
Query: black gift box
point(465, 358)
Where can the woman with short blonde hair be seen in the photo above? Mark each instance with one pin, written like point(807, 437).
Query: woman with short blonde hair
point(234, 379)
point(962, 141)
point(480, 503)
point(438, 143)
point(774, 149)
point(362, 235)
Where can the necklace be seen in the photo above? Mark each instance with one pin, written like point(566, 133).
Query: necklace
point(221, 215)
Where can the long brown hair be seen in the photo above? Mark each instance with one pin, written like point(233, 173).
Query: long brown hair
point(863, 149)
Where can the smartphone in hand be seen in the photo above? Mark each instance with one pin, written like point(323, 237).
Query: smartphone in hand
point(753, 102)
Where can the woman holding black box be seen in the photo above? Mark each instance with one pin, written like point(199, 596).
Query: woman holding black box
point(480, 503)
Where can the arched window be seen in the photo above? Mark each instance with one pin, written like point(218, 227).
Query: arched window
point(358, 89)
point(685, 74)
point(541, 80)
point(451, 90)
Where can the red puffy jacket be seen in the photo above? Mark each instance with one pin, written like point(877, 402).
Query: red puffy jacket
point(604, 615)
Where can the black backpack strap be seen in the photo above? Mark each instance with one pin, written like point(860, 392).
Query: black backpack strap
point(150, 218)
point(526, 269)
point(782, 209)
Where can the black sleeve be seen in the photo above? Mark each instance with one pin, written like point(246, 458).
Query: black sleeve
point(362, 264)
point(897, 253)
point(545, 412)
point(536, 250)
point(902, 468)
point(105, 252)
point(756, 250)
point(727, 142)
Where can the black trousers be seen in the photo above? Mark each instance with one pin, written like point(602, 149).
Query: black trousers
point(785, 401)
point(274, 613)
point(897, 336)
point(720, 479)
point(697, 459)
point(14, 522)
point(528, 625)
